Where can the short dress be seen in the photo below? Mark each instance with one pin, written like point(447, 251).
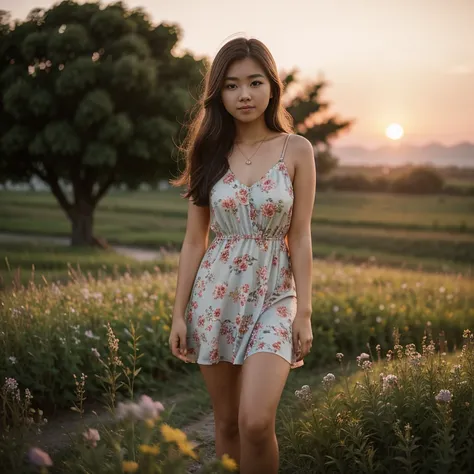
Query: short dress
point(243, 299)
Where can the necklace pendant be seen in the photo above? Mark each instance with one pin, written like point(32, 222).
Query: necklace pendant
point(248, 162)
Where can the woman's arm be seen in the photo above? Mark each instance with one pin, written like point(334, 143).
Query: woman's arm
point(193, 249)
point(299, 242)
point(299, 234)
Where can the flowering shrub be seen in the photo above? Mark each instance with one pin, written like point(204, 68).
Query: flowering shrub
point(48, 334)
point(138, 439)
point(406, 412)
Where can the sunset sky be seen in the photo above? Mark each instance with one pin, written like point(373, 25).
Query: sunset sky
point(407, 61)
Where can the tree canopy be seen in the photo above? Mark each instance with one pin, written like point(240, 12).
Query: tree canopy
point(92, 96)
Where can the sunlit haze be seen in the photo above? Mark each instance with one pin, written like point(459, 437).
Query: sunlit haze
point(404, 62)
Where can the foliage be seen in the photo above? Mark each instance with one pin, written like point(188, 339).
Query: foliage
point(47, 334)
point(411, 412)
point(421, 180)
point(138, 439)
point(91, 95)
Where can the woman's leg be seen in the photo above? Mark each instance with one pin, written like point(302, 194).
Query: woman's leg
point(223, 383)
point(263, 378)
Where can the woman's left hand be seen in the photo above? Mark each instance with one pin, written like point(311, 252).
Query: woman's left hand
point(302, 336)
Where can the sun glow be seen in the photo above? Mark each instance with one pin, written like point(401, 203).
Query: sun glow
point(394, 131)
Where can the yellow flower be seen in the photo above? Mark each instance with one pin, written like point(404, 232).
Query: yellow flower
point(186, 448)
point(149, 423)
point(129, 466)
point(228, 463)
point(172, 434)
point(147, 449)
point(155, 318)
point(166, 327)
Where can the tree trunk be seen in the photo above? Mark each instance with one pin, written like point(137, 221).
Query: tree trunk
point(82, 221)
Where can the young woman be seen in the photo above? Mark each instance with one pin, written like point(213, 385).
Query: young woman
point(243, 308)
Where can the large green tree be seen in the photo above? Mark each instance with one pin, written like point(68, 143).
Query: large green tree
point(312, 118)
point(92, 97)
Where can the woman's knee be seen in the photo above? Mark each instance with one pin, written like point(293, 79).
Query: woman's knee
point(227, 426)
point(256, 427)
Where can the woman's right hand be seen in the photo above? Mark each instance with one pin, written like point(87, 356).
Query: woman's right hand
point(177, 340)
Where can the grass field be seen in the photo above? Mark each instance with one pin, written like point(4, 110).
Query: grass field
point(436, 229)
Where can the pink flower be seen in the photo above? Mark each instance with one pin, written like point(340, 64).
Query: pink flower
point(282, 311)
point(229, 179)
point(268, 209)
point(224, 256)
point(39, 458)
point(149, 408)
point(219, 291)
point(268, 184)
point(229, 203)
point(91, 436)
point(243, 196)
point(262, 273)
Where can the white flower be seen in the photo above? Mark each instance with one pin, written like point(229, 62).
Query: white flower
point(328, 380)
point(389, 382)
point(444, 396)
point(95, 352)
point(12, 359)
point(145, 409)
point(442, 289)
point(335, 309)
point(304, 393)
point(361, 358)
point(381, 307)
point(92, 436)
point(89, 334)
point(339, 356)
point(378, 319)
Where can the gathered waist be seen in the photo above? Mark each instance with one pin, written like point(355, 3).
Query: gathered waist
point(220, 236)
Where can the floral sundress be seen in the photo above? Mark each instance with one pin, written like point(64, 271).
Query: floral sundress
point(243, 298)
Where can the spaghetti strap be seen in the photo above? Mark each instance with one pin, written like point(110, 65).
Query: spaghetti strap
point(287, 139)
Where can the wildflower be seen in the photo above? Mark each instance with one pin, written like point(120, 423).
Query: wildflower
point(389, 382)
point(148, 408)
point(172, 434)
point(378, 319)
point(444, 396)
point(361, 358)
point(329, 380)
point(147, 449)
point(228, 463)
point(95, 352)
point(91, 436)
point(304, 393)
point(335, 308)
point(12, 359)
point(129, 466)
point(339, 356)
point(366, 365)
point(186, 448)
point(39, 458)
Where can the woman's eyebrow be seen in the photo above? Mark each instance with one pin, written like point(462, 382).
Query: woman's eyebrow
point(252, 76)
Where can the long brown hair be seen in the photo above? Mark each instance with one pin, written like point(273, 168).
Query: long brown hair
point(211, 133)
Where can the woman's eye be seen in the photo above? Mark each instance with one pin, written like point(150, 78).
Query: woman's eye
point(257, 82)
point(229, 86)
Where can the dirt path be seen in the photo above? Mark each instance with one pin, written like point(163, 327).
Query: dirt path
point(58, 434)
point(142, 255)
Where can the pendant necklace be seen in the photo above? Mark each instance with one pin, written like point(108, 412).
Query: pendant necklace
point(248, 160)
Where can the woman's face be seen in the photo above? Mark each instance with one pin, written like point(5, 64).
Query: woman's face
point(246, 90)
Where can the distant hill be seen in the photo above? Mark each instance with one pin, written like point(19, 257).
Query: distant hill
point(461, 155)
